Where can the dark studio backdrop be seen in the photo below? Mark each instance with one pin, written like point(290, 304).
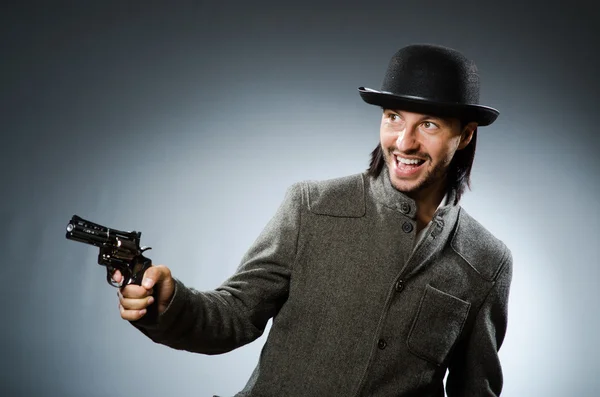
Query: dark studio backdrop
point(188, 122)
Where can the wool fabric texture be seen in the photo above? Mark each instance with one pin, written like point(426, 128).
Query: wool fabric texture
point(356, 311)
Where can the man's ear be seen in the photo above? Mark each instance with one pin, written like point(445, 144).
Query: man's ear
point(467, 135)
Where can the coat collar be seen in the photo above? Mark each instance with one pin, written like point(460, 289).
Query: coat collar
point(439, 232)
point(390, 197)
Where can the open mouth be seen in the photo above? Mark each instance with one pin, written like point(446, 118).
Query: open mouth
point(406, 165)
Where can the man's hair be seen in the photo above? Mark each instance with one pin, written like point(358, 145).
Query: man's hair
point(459, 171)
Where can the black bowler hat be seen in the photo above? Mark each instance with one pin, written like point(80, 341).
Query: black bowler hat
point(431, 79)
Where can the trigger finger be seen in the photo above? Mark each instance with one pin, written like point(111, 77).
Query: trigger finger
point(117, 276)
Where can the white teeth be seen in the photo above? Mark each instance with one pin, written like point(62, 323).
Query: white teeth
point(407, 161)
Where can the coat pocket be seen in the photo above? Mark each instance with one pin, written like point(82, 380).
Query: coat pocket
point(437, 325)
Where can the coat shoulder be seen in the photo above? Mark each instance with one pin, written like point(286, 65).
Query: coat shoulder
point(341, 197)
point(484, 252)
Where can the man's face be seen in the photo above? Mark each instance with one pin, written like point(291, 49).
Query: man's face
point(418, 149)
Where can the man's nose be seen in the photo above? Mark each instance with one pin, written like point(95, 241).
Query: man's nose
point(407, 139)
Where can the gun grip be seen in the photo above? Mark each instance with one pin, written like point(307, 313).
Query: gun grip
point(141, 265)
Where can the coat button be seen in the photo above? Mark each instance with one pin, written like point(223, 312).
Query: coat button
point(381, 344)
point(407, 227)
point(405, 208)
point(399, 285)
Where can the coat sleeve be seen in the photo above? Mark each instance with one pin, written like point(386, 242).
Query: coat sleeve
point(236, 312)
point(475, 368)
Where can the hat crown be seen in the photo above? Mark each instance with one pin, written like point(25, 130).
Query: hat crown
point(432, 73)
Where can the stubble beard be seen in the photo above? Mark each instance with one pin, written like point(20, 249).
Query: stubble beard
point(431, 176)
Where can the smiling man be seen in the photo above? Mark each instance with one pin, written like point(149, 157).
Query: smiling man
point(378, 284)
point(418, 150)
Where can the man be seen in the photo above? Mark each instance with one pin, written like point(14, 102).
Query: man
point(377, 283)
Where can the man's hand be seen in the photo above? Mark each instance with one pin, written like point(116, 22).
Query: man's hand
point(134, 299)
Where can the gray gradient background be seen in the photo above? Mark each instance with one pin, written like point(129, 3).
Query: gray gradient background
point(188, 123)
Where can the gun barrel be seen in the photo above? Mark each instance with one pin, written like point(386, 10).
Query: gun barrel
point(119, 250)
point(88, 232)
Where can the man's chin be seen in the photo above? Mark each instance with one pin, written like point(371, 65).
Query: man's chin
point(407, 187)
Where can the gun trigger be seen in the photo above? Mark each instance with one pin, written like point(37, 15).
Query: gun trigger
point(145, 249)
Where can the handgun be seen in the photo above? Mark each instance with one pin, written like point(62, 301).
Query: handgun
point(119, 250)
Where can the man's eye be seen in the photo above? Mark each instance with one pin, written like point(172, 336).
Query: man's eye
point(394, 117)
point(429, 125)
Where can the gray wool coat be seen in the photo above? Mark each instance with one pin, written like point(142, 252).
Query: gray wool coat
point(356, 311)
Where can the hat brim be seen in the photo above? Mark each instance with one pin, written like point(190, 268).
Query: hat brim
point(482, 115)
